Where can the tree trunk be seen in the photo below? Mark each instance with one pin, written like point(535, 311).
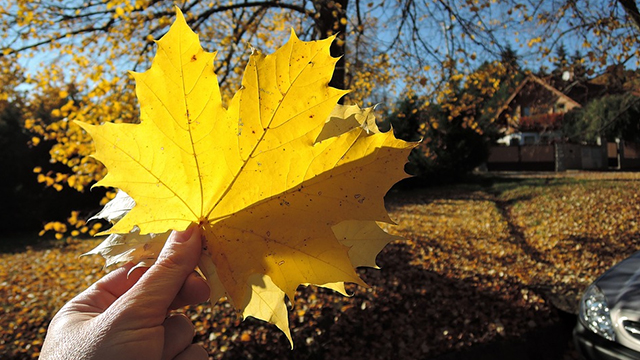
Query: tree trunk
point(331, 18)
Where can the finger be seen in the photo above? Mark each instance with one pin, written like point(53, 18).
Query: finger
point(178, 335)
point(164, 279)
point(195, 290)
point(108, 289)
point(193, 352)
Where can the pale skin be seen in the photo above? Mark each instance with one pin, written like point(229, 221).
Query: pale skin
point(129, 317)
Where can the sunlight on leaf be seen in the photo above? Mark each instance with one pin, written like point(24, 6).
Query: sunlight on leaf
point(286, 185)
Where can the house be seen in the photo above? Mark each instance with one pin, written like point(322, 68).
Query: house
point(533, 113)
point(531, 121)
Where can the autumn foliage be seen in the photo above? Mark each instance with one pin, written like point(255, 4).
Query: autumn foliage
point(485, 263)
point(286, 185)
point(77, 55)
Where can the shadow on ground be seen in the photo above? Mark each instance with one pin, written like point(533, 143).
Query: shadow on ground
point(413, 313)
point(550, 342)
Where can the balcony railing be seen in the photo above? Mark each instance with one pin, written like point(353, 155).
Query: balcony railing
point(541, 121)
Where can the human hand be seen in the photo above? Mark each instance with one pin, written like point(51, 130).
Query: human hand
point(122, 317)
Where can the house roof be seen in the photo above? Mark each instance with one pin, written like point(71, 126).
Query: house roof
point(534, 79)
point(583, 92)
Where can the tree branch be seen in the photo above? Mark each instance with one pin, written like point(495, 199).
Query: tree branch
point(631, 9)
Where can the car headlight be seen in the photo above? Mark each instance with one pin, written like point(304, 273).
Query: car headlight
point(594, 313)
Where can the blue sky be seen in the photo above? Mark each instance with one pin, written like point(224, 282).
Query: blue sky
point(441, 33)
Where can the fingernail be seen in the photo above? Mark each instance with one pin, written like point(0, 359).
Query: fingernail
point(183, 236)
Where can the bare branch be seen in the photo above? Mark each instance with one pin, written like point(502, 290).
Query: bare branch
point(631, 9)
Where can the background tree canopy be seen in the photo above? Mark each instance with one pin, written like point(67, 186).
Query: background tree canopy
point(610, 117)
point(69, 59)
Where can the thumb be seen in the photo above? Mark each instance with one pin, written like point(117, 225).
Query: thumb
point(161, 283)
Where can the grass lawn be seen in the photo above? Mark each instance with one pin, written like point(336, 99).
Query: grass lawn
point(489, 268)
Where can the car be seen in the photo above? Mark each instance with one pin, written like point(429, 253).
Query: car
point(608, 324)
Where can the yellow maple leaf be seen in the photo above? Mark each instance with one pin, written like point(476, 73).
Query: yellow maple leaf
point(286, 185)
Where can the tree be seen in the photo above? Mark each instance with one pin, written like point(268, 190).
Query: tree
point(119, 33)
point(561, 62)
point(457, 128)
point(509, 78)
point(578, 71)
point(406, 119)
point(94, 42)
point(510, 59)
point(25, 204)
point(405, 47)
point(13, 143)
point(609, 117)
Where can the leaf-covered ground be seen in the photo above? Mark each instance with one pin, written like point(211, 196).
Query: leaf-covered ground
point(490, 269)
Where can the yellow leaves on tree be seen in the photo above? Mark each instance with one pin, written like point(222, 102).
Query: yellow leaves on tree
point(286, 185)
